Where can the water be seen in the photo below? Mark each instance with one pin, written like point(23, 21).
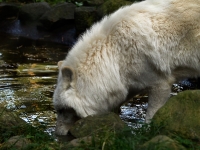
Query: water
point(28, 73)
point(134, 111)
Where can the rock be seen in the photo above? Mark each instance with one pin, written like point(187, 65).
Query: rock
point(8, 11)
point(85, 17)
point(10, 123)
point(181, 115)
point(40, 22)
point(33, 11)
point(89, 2)
point(96, 2)
point(17, 142)
point(79, 141)
point(111, 5)
point(162, 142)
point(97, 125)
point(58, 13)
point(9, 119)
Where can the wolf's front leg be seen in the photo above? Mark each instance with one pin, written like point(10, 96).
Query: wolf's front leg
point(158, 95)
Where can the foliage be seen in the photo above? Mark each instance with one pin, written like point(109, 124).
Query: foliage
point(11, 127)
point(130, 139)
point(77, 3)
point(36, 136)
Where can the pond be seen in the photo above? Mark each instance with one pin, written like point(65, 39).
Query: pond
point(28, 73)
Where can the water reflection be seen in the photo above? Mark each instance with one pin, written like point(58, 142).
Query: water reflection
point(28, 76)
point(134, 111)
point(29, 92)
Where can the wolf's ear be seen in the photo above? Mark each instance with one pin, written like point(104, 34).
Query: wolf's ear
point(67, 74)
point(59, 64)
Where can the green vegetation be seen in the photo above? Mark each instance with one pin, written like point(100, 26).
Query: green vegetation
point(181, 114)
point(143, 138)
point(24, 135)
point(137, 139)
point(38, 139)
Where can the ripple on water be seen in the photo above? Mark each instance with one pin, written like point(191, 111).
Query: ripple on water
point(28, 88)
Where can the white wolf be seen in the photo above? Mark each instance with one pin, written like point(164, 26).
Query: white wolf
point(145, 46)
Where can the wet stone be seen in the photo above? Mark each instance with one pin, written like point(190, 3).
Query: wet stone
point(17, 142)
point(8, 11)
point(181, 115)
point(33, 11)
point(97, 125)
point(59, 13)
point(162, 142)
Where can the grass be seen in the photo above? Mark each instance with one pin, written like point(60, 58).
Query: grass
point(126, 139)
point(133, 139)
point(36, 136)
point(11, 125)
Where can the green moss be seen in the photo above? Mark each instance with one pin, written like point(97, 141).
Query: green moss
point(181, 114)
point(112, 5)
point(162, 142)
point(97, 125)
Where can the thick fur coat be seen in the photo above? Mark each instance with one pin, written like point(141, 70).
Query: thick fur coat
point(144, 46)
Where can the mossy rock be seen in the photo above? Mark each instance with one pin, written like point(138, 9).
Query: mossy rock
point(97, 125)
point(181, 114)
point(89, 2)
point(8, 11)
point(9, 118)
point(112, 5)
point(10, 124)
point(33, 11)
point(16, 142)
point(85, 17)
point(162, 142)
point(59, 15)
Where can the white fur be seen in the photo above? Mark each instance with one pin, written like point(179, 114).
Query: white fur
point(144, 46)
